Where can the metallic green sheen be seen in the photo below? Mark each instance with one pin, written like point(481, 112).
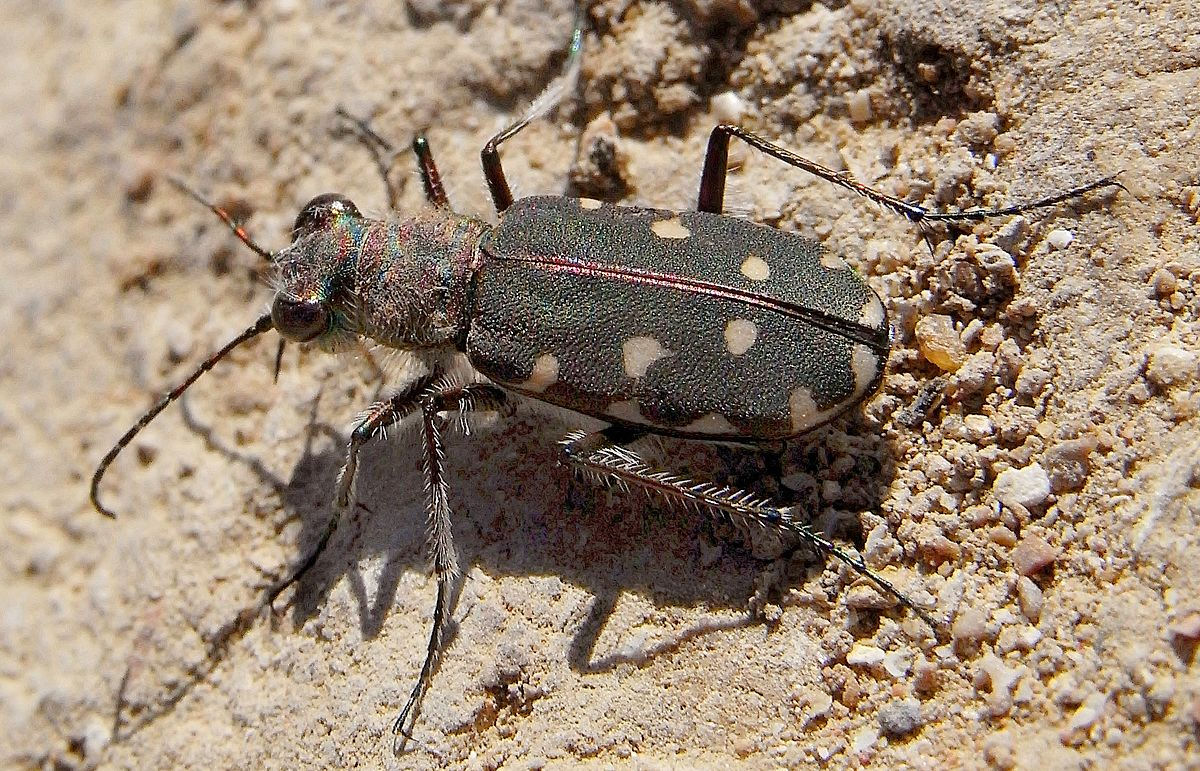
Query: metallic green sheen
point(576, 283)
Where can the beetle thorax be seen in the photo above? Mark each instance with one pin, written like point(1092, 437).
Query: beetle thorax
point(402, 283)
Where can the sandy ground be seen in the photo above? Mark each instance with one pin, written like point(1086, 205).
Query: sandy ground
point(1046, 500)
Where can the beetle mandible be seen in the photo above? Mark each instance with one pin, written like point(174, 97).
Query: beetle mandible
point(696, 325)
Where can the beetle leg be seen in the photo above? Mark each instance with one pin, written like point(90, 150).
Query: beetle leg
point(431, 178)
point(493, 171)
point(602, 457)
point(383, 152)
point(443, 396)
point(370, 424)
point(716, 161)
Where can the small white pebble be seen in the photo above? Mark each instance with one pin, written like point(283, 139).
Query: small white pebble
point(1169, 365)
point(1060, 239)
point(859, 105)
point(864, 654)
point(864, 739)
point(728, 107)
point(1001, 679)
point(969, 626)
point(1029, 596)
point(1028, 487)
point(896, 663)
point(979, 426)
point(1089, 712)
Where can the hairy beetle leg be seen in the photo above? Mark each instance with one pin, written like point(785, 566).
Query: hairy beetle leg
point(443, 396)
point(370, 424)
point(602, 457)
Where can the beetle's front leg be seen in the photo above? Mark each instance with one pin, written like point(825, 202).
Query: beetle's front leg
point(369, 424)
point(442, 397)
point(603, 457)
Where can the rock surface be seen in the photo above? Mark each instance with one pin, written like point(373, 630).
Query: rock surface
point(596, 629)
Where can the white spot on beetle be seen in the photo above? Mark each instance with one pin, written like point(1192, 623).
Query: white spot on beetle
point(629, 411)
point(671, 228)
point(712, 423)
point(544, 375)
point(740, 334)
point(833, 262)
point(871, 315)
point(756, 268)
point(590, 203)
point(804, 412)
point(640, 353)
point(864, 363)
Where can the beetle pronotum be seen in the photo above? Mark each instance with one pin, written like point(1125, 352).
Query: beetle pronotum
point(696, 325)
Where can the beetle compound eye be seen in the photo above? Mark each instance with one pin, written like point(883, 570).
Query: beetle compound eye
point(299, 320)
point(320, 211)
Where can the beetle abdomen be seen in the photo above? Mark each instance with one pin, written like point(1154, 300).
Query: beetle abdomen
point(685, 323)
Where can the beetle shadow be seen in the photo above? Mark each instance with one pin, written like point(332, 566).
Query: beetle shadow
point(307, 497)
point(314, 469)
point(518, 513)
point(529, 517)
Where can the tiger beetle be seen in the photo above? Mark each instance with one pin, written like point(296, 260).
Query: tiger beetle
point(696, 325)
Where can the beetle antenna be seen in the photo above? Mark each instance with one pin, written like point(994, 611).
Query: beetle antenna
point(262, 325)
point(237, 229)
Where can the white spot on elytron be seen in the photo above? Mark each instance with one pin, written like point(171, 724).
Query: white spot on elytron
point(629, 411)
point(872, 313)
point(804, 412)
point(712, 423)
point(864, 363)
point(756, 268)
point(640, 353)
point(590, 203)
point(671, 228)
point(544, 375)
point(740, 334)
point(833, 262)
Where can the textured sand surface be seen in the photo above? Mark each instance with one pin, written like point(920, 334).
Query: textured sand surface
point(1047, 502)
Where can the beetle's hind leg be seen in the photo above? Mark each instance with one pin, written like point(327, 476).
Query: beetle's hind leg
point(603, 457)
point(716, 162)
